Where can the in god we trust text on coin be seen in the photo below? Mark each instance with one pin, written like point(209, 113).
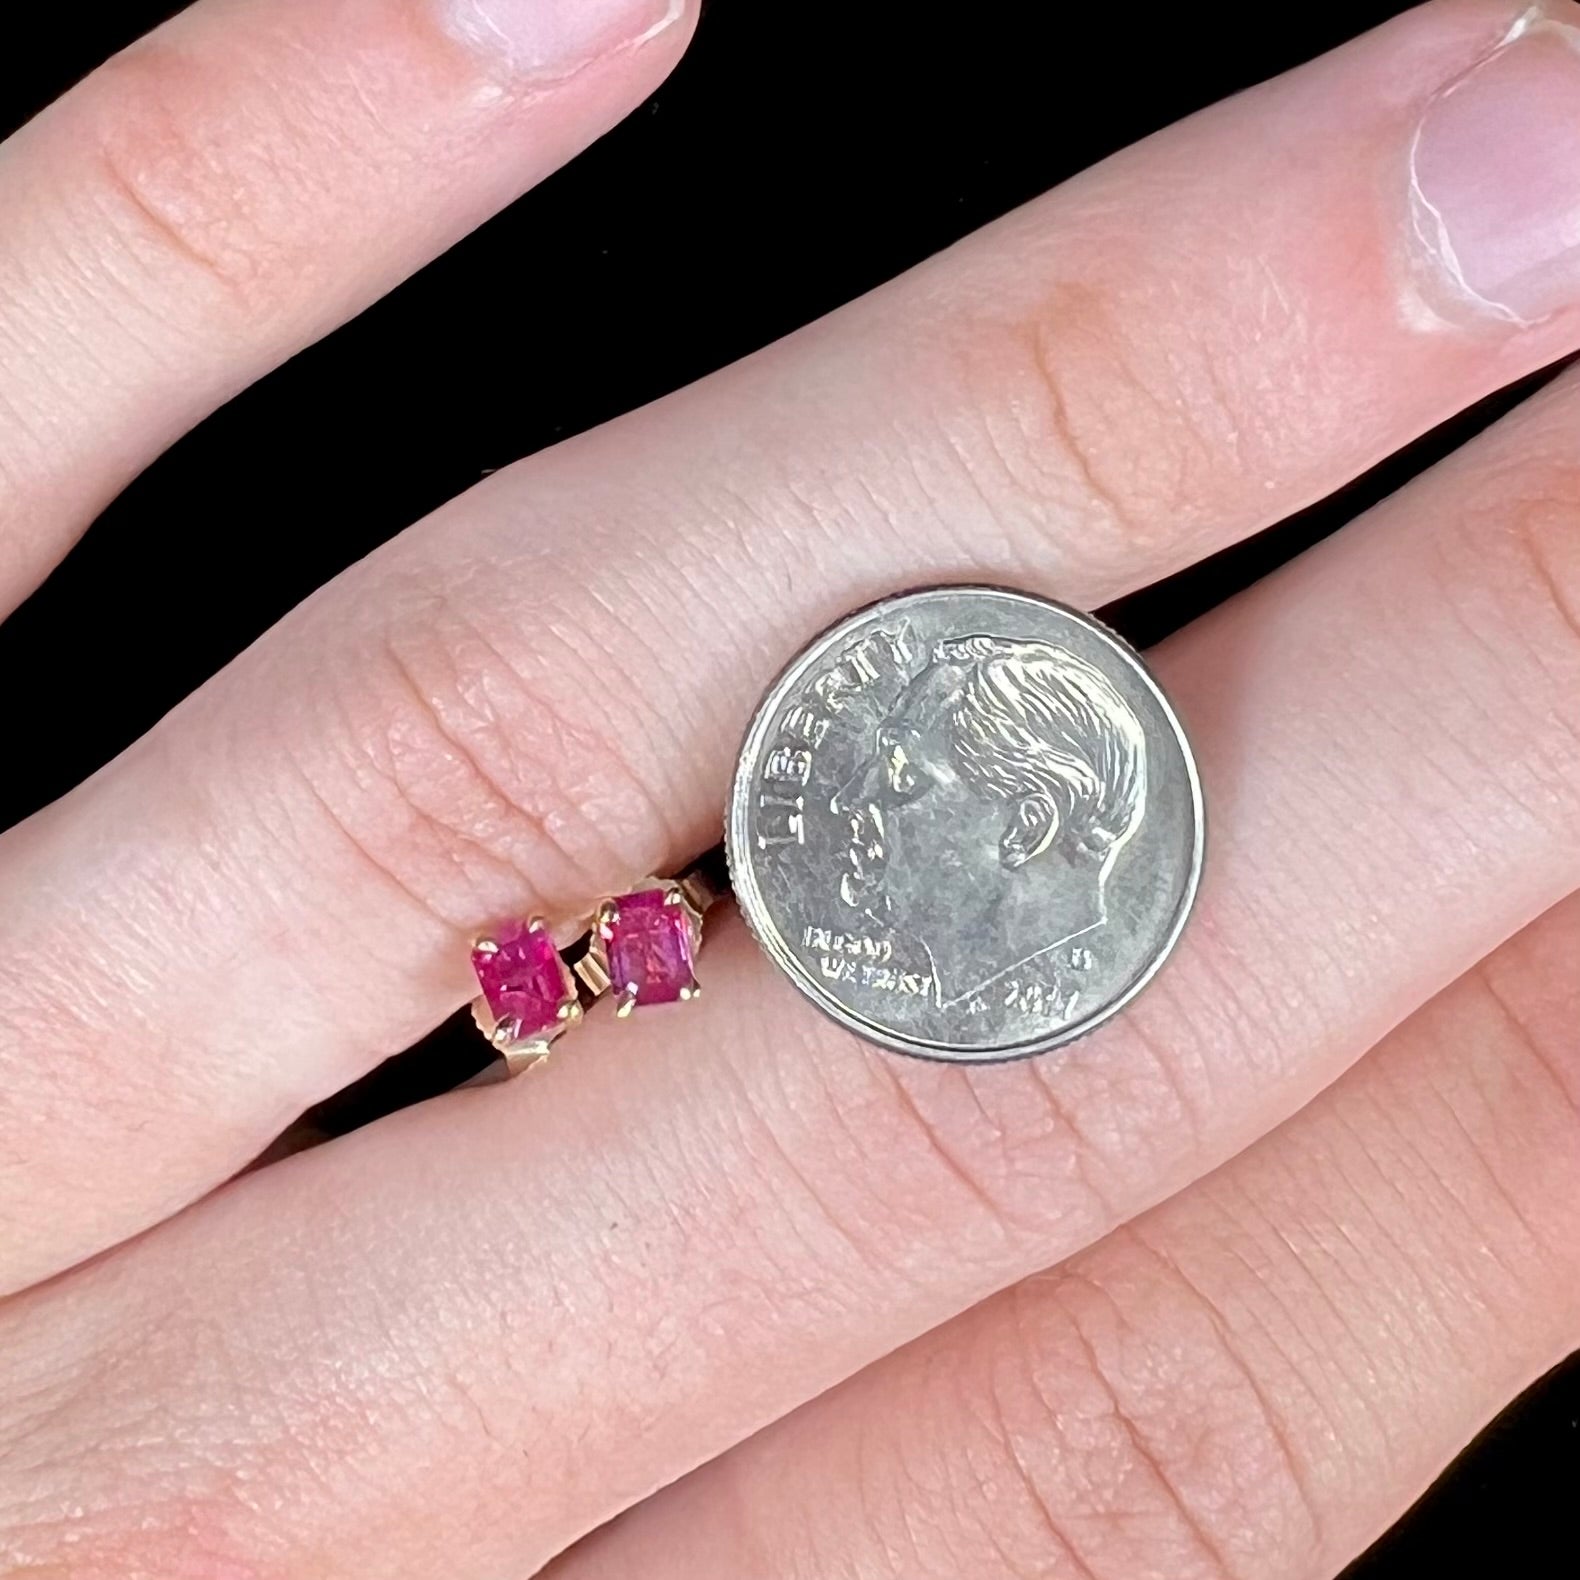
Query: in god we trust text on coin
point(967, 824)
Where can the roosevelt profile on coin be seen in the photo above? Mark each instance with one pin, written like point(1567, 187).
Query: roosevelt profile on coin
point(1013, 760)
point(967, 824)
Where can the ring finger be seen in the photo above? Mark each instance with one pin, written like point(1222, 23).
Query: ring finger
point(474, 1350)
point(421, 750)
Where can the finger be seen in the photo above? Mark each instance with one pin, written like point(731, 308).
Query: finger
point(236, 184)
point(501, 1318)
point(534, 697)
point(1254, 1379)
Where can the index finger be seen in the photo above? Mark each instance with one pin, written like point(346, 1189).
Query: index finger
point(240, 181)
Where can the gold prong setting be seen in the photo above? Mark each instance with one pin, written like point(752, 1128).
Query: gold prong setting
point(639, 950)
point(645, 944)
point(529, 997)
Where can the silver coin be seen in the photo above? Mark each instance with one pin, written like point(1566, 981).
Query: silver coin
point(967, 824)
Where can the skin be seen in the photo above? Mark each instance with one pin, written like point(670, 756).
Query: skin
point(1215, 1294)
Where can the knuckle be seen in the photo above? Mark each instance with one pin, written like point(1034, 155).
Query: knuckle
point(1542, 527)
point(997, 1156)
point(1037, 1157)
point(181, 191)
point(1076, 413)
point(863, 1158)
point(464, 764)
point(1510, 572)
point(1538, 1065)
point(1139, 1434)
point(1038, 1150)
point(1020, 1154)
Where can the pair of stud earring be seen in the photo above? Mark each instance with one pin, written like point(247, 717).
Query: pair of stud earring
point(640, 949)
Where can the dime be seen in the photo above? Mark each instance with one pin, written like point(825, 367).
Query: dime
point(966, 824)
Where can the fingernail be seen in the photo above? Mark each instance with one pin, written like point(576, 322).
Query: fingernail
point(554, 38)
point(1497, 175)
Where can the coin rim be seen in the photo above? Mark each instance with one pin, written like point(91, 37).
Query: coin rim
point(759, 919)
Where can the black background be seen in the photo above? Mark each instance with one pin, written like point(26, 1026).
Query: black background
point(800, 155)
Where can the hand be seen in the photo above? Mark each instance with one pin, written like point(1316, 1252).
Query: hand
point(1217, 1291)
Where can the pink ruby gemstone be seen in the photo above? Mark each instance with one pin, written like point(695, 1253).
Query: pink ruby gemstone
point(522, 980)
point(649, 948)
